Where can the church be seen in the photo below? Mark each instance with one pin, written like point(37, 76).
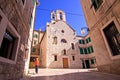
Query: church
point(60, 47)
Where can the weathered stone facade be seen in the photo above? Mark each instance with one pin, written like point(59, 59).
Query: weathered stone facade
point(60, 45)
point(98, 19)
point(15, 16)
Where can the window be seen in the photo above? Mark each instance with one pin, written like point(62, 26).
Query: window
point(6, 48)
point(73, 58)
point(92, 60)
point(62, 31)
point(61, 16)
point(73, 47)
point(85, 51)
point(81, 42)
point(88, 40)
point(35, 36)
point(23, 1)
point(81, 51)
point(53, 16)
point(33, 49)
point(113, 38)
point(63, 41)
point(55, 57)
point(9, 45)
point(96, 3)
point(54, 40)
point(90, 49)
point(64, 51)
point(35, 42)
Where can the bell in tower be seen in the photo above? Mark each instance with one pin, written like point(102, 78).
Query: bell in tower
point(58, 15)
point(53, 16)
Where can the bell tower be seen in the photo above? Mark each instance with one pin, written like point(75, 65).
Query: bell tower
point(58, 15)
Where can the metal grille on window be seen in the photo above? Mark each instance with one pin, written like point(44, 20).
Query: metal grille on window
point(113, 38)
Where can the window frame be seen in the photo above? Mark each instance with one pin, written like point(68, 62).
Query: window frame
point(96, 3)
point(73, 46)
point(61, 15)
point(23, 2)
point(81, 41)
point(63, 41)
point(73, 58)
point(14, 33)
point(105, 40)
point(55, 57)
point(55, 40)
point(81, 51)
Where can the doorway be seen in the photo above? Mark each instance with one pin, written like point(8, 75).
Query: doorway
point(87, 63)
point(65, 63)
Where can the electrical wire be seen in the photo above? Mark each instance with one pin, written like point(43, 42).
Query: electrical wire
point(65, 12)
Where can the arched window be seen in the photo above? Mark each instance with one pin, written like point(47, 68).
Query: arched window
point(63, 41)
point(64, 51)
point(73, 47)
point(55, 40)
point(53, 16)
point(62, 31)
point(61, 16)
point(55, 57)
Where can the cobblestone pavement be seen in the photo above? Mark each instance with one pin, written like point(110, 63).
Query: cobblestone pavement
point(70, 74)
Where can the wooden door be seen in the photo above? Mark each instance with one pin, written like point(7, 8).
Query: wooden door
point(65, 62)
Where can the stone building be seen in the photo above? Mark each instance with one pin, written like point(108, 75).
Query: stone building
point(35, 51)
point(60, 47)
point(86, 51)
point(16, 25)
point(103, 20)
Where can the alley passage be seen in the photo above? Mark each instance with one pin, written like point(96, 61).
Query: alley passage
point(70, 74)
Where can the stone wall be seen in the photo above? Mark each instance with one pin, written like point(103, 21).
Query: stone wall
point(13, 12)
point(97, 21)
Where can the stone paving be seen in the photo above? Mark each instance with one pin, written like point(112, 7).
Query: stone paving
point(70, 74)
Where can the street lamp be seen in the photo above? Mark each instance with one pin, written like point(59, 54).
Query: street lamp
point(83, 30)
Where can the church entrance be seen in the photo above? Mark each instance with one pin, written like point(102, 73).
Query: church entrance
point(65, 63)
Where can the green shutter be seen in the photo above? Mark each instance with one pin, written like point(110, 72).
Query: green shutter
point(81, 51)
point(85, 50)
point(89, 39)
point(91, 49)
point(79, 41)
point(83, 42)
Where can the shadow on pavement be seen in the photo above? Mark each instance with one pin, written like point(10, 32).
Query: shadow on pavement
point(78, 76)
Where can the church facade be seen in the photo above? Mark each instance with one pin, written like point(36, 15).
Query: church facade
point(60, 47)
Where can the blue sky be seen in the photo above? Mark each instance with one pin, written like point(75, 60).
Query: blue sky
point(72, 8)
